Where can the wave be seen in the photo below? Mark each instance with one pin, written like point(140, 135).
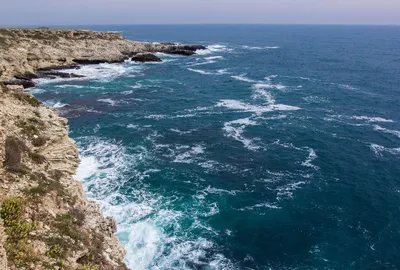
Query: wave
point(189, 154)
point(235, 129)
point(379, 149)
point(260, 48)
point(316, 99)
point(372, 119)
point(394, 132)
point(218, 72)
point(70, 86)
point(58, 105)
point(238, 105)
point(259, 92)
point(311, 156)
point(243, 78)
point(108, 100)
point(214, 49)
point(151, 232)
point(214, 57)
point(105, 71)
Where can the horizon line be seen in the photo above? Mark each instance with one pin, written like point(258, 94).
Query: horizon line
point(198, 24)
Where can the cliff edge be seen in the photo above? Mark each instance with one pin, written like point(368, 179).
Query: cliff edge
point(25, 51)
point(45, 220)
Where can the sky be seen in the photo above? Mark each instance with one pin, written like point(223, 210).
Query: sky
point(89, 12)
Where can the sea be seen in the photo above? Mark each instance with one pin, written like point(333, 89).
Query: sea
point(277, 147)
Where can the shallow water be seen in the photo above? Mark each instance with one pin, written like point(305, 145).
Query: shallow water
point(278, 147)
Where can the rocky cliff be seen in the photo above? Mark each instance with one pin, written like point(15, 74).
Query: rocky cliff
point(24, 52)
point(45, 220)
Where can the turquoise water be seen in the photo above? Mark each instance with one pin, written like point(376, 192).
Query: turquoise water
point(276, 148)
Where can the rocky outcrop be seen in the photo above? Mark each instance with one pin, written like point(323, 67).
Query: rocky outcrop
point(25, 51)
point(46, 222)
point(145, 57)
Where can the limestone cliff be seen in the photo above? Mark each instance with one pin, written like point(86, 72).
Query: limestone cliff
point(24, 51)
point(45, 220)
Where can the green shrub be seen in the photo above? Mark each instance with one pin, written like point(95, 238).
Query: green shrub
point(27, 98)
point(28, 128)
point(55, 251)
point(88, 266)
point(17, 247)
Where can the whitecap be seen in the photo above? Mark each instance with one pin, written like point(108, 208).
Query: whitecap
point(214, 57)
point(189, 155)
point(108, 100)
point(372, 119)
point(394, 132)
point(58, 105)
point(259, 47)
point(243, 78)
point(379, 149)
point(214, 49)
point(69, 86)
point(238, 105)
point(311, 156)
point(218, 72)
point(235, 129)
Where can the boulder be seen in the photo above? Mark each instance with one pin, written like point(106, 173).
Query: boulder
point(23, 82)
point(146, 57)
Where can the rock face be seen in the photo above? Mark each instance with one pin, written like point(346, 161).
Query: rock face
point(145, 57)
point(45, 220)
point(25, 51)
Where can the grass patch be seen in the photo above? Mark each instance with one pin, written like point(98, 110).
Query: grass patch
point(19, 251)
point(31, 127)
point(27, 98)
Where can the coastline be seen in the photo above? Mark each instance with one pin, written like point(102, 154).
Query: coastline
point(38, 160)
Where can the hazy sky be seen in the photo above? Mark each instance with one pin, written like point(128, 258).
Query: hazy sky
point(70, 12)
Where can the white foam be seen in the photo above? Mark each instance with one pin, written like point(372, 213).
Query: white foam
point(105, 71)
point(214, 57)
point(235, 129)
point(188, 156)
point(316, 99)
point(260, 92)
point(58, 105)
point(311, 156)
point(218, 72)
point(372, 119)
point(108, 100)
point(394, 132)
point(261, 205)
point(69, 86)
point(259, 48)
point(287, 190)
point(182, 132)
point(238, 105)
point(86, 168)
point(243, 78)
point(214, 49)
point(202, 63)
point(378, 149)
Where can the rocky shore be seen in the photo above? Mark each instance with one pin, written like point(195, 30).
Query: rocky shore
point(26, 54)
point(46, 222)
